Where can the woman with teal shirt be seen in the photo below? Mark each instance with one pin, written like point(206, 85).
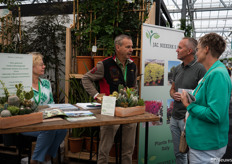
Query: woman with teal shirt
point(207, 125)
point(47, 142)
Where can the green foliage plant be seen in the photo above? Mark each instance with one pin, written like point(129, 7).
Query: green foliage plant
point(46, 34)
point(24, 96)
point(187, 27)
point(77, 132)
point(78, 93)
point(10, 3)
point(6, 92)
point(101, 21)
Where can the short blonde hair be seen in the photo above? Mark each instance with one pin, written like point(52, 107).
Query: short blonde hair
point(36, 57)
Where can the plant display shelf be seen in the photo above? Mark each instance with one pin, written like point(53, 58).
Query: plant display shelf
point(11, 150)
point(77, 76)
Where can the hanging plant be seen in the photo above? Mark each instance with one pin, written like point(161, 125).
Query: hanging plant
point(188, 31)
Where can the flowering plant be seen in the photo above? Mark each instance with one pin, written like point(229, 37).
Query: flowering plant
point(153, 106)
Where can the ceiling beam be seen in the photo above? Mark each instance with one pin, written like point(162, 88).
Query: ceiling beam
point(211, 18)
point(208, 31)
point(203, 9)
point(191, 18)
point(176, 4)
point(223, 3)
point(39, 9)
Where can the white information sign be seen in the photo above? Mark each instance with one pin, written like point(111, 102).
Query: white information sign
point(108, 105)
point(15, 69)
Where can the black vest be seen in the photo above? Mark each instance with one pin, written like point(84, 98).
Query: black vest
point(114, 76)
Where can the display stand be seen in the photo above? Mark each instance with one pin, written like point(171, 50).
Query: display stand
point(70, 72)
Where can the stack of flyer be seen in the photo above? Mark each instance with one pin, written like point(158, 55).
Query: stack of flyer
point(64, 107)
point(79, 115)
point(68, 112)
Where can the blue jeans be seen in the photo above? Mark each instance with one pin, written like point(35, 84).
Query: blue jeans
point(207, 156)
point(176, 126)
point(47, 143)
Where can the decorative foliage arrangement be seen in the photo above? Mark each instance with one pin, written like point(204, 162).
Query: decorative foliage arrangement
point(127, 97)
point(78, 93)
point(99, 22)
point(18, 104)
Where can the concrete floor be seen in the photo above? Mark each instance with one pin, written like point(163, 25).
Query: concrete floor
point(12, 159)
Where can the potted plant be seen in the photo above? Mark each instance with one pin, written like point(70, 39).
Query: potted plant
point(76, 139)
point(127, 102)
point(91, 132)
point(13, 108)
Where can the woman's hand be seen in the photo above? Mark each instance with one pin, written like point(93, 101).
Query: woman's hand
point(177, 96)
point(184, 98)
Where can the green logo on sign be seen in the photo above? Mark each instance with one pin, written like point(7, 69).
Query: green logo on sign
point(151, 35)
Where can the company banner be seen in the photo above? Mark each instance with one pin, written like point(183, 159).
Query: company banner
point(15, 69)
point(158, 58)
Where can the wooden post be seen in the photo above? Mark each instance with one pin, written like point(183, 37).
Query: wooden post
point(1, 33)
point(151, 15)
point(73, 60)
point(20, 32)
point(68, 62)
point(90, 35)
point(77, 15)
point(95, 41)
point(9, 32)
point(5, 29)
point(74, 13)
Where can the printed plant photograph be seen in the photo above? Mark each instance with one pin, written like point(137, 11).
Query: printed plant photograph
point(154, 72)
point(170, 104)
point(171, 67)
point(156, 108)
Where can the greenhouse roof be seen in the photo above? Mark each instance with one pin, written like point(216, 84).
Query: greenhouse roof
point(207, 16)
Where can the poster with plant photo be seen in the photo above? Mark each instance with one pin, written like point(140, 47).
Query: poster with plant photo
point(170, 104)
point(159, 46)
point(171, 67)
point(156, 108)
point(154, 72)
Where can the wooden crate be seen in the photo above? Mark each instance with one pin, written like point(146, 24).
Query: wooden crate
point(130, 111)
point(20, 120)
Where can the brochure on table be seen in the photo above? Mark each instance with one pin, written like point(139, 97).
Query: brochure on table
point(65, 107)
point(67, 111)
point(87, 106)
point(108, 105)
point(79, 115)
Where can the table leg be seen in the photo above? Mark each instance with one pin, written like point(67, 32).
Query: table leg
point(91, 144)
point(120, 144)
point(146, 142)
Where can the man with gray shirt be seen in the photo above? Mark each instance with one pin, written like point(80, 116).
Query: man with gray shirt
point(186, 76)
